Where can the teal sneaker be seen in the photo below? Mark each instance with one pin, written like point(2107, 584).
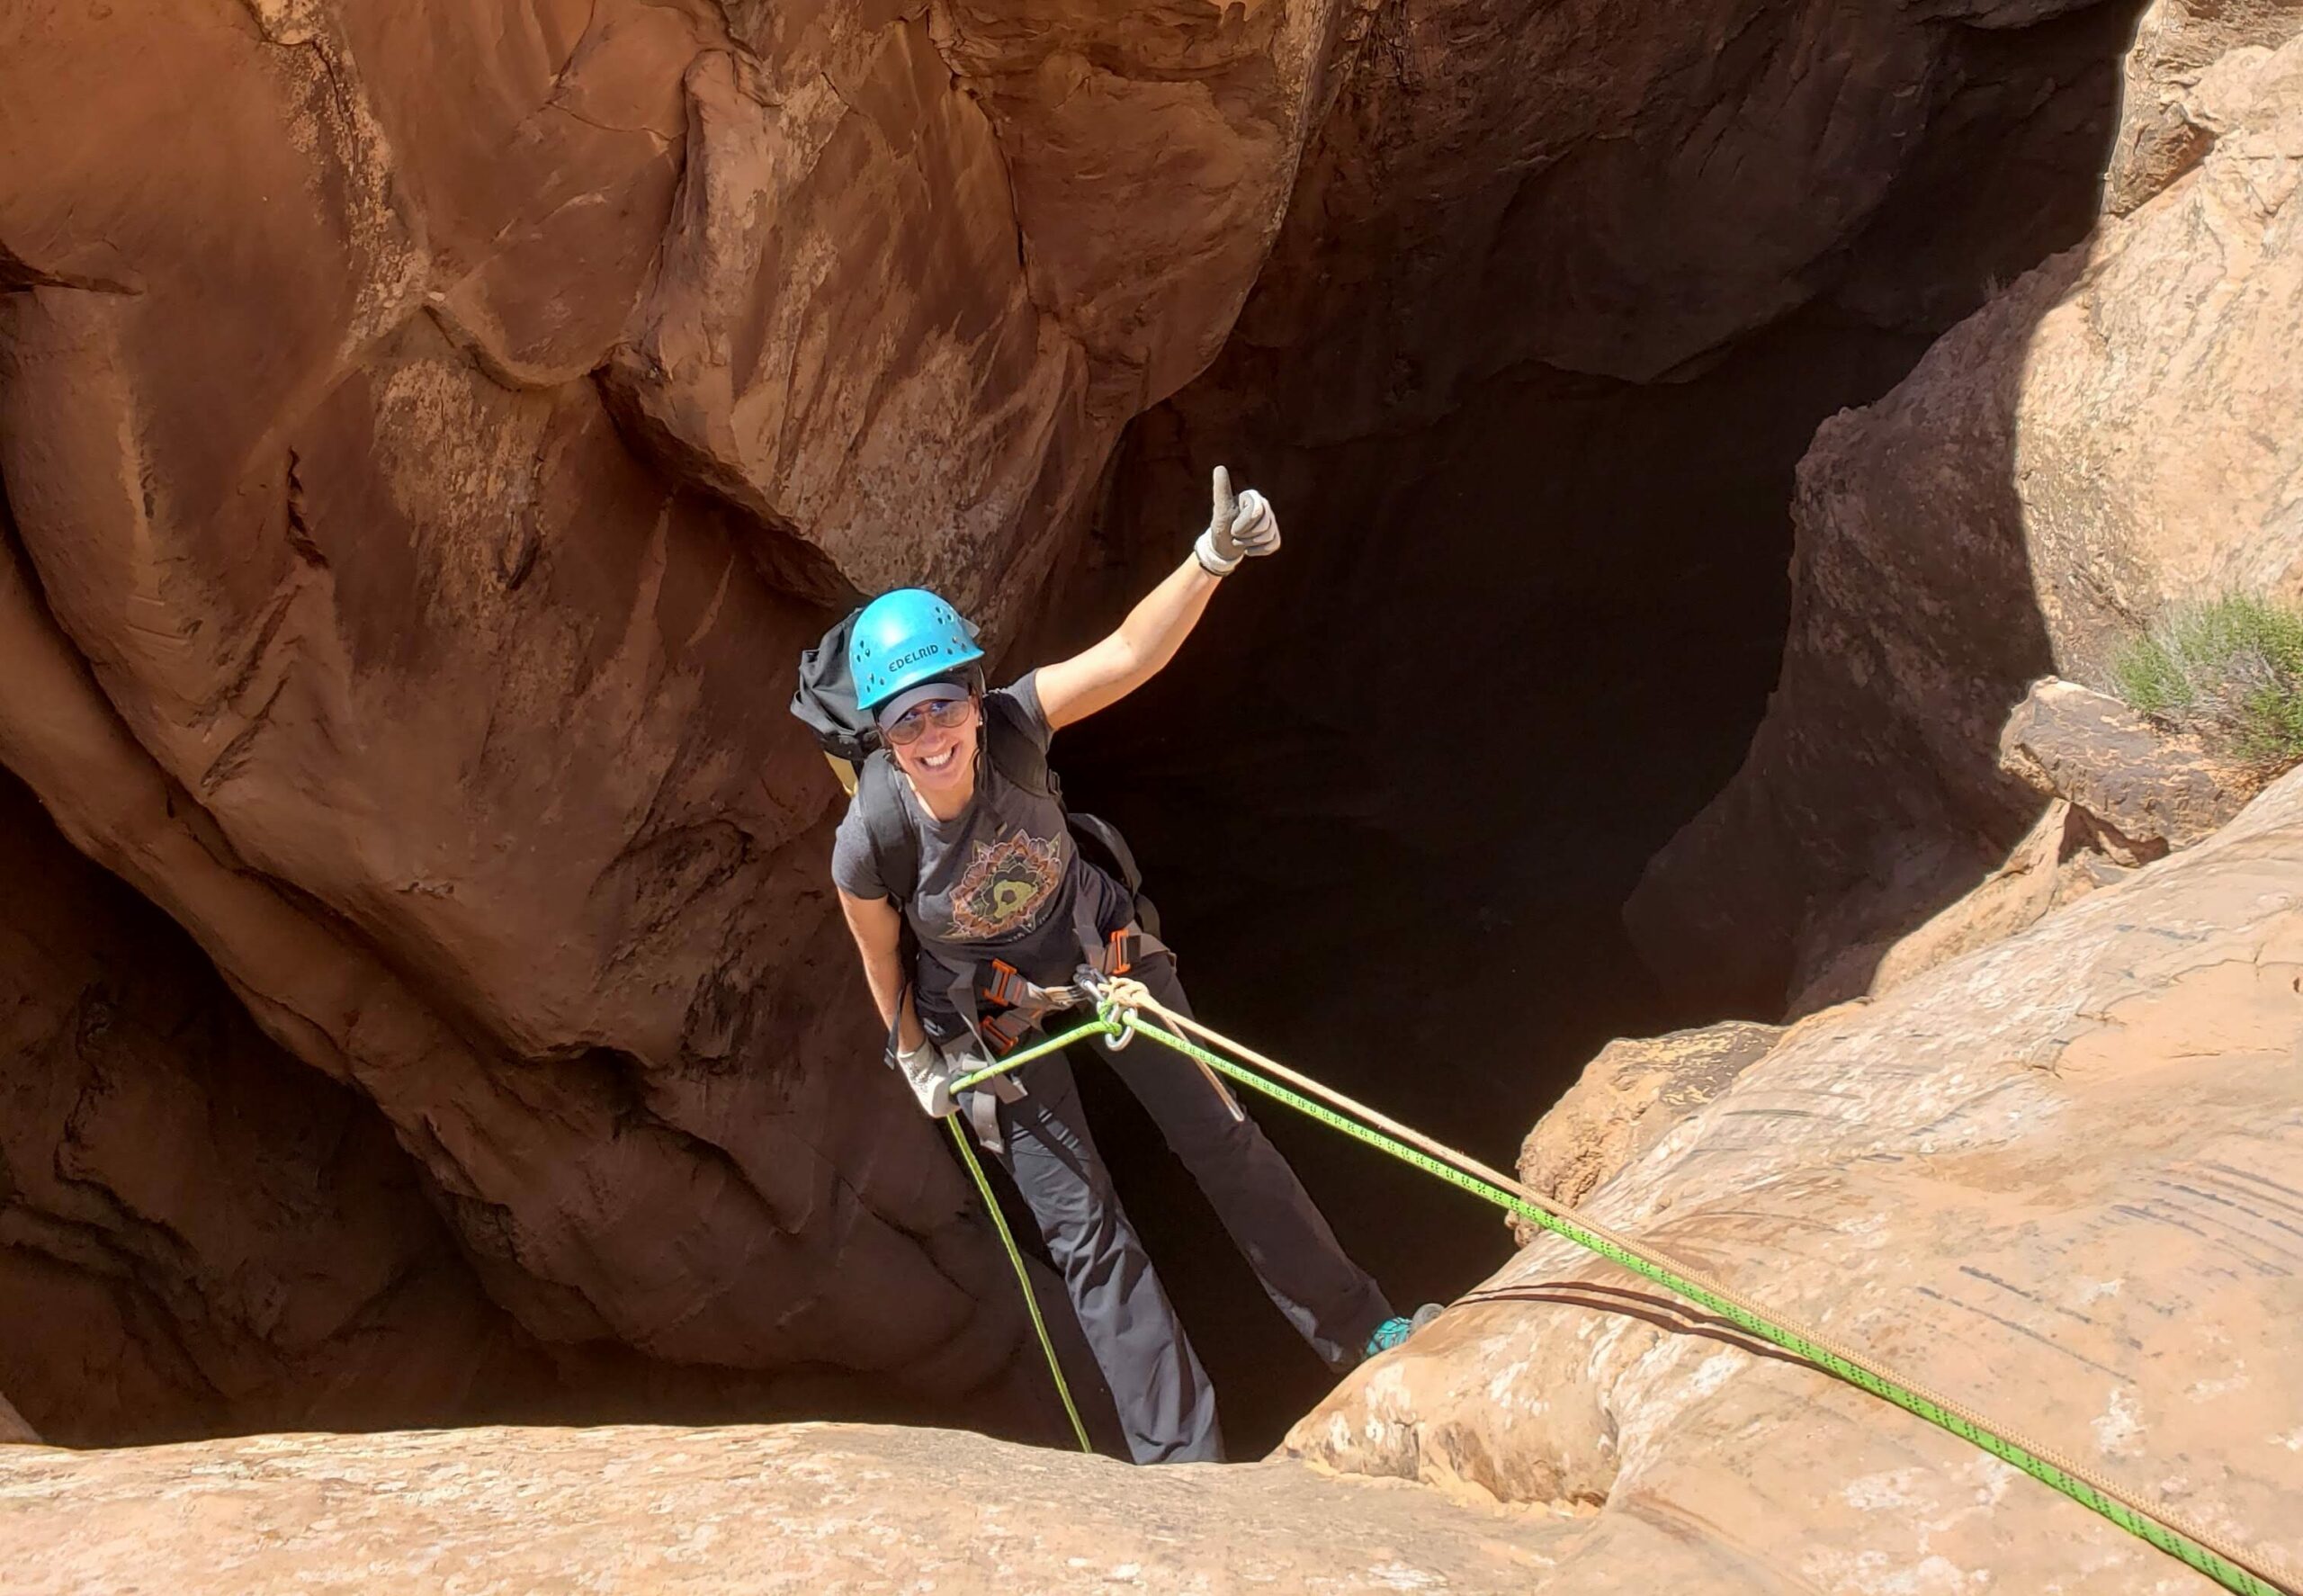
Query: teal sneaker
point(1394, 1330)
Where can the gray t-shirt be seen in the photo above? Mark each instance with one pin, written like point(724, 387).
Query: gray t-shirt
point(1000, 882)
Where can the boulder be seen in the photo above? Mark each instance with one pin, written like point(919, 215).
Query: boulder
point(2152, 792)
point(2165, 129)
point(2117, 431)
point(813, 1507)
point(1627, 1101)
point(2054, 1177)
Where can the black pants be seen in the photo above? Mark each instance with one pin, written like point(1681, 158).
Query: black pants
point(1166, 1405)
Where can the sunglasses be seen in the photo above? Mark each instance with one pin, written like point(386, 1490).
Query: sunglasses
point(944, 714)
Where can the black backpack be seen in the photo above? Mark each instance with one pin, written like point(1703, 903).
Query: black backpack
point(825, 703)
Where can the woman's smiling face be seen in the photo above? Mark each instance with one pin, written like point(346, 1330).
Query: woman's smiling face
point(940, 758)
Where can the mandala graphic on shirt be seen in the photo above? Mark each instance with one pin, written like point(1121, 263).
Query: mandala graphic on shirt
point(1004, 887)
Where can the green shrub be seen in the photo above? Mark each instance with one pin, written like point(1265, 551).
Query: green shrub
point(2228, 671)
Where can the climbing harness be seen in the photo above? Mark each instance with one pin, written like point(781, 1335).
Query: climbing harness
point(1121, 1005)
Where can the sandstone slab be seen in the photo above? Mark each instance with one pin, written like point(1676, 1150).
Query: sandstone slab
point(2056, 1176)
point(806, 1508)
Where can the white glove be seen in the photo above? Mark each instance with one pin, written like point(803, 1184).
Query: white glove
point(930, 1075)
point(1241, 527)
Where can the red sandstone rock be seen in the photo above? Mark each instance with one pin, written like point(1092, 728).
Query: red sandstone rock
point(2056, 1176)
point(2165, 131)
point(924, 265)
point(446, 715)
point(705, 1512)
point(13, 1430)
point(2063, 858)
point(197, 1232)
point(1628, 1100)
point(342, 621)
point(2120, 429)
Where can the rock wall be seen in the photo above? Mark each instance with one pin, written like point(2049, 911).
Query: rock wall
point(2122, 427)
point(2055, 1176)
point(1562, 295)
point(197, 1234)
point(430, 431)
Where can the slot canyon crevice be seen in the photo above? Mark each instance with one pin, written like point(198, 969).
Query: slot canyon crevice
point(1533, 602)
point(411, 623)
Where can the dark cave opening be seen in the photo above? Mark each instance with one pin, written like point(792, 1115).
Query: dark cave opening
point(1393, 852)
point(1392, 796)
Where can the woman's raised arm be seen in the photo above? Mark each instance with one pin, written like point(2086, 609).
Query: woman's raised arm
point(1103, 674)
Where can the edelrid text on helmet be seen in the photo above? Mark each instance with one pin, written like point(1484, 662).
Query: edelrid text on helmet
point(902, 639)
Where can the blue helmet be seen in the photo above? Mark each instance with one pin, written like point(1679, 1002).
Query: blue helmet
point(905, 638)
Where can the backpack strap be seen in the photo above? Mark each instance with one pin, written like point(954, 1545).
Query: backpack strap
point(895, 846)
point(1015, 752)
point(1019, 757)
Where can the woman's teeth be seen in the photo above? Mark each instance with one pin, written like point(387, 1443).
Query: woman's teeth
point(938, 761)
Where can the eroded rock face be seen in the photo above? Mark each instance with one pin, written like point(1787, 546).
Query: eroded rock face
point(2121, 428)
point(198, 1233)
point(2164, 128)
point(926, 262)
point(443, 707)
point(1628, 1099)
point(2060, 860)
point(2055, 1176)
point(2121, 792)
point(813, 1507)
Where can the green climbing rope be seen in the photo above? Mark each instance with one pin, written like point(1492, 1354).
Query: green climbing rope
point(1023, 1278)
point(1112, 1018)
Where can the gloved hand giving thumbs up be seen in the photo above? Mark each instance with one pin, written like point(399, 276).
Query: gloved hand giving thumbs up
point(1241, 527)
